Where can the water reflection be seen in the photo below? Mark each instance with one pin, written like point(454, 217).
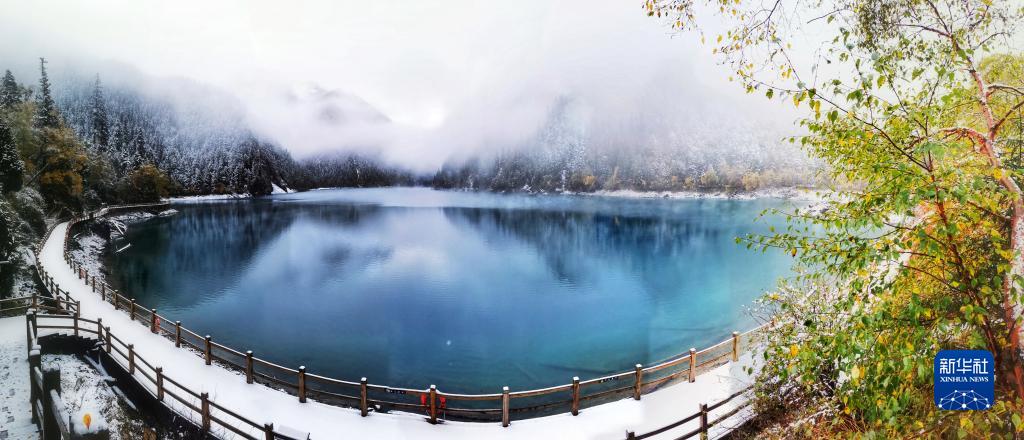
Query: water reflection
point(467, 291)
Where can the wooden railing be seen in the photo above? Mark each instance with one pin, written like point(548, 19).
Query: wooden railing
point(48, 409)
point(195, 406)
point(430, 401)
point(702, 414)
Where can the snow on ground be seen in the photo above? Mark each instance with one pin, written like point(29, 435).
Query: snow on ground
point(264, 405)
point(86, 391)
point(15, 414)
point(24, 281)
point(83, 389)
point(90, 248)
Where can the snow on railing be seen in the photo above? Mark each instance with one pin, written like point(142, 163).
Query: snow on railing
point(705, 425)
point(430, 401)
point(197, 407)
point(48, 409)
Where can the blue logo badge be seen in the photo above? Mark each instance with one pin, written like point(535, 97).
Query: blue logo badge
point(965, 380)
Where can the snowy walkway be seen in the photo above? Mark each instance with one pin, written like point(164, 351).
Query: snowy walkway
point(15, 412)
point(263, 404)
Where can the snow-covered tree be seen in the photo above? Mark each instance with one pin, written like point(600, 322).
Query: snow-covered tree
point(47, 115)
point(98, 118)
point(11, 167)
point(10, 93)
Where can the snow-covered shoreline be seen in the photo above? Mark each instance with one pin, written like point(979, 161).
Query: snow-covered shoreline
point(787, 193)
point(208, 197)
point(796, 194)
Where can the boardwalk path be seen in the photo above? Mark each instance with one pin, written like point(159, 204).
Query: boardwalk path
point(15, 415)
point(262, 404)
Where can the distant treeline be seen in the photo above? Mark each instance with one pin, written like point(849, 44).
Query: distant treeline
point(563, 156)
point(520, 172)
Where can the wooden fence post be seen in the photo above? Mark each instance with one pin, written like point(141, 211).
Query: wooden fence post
point(34, 362)
point(99, 329)
point(177, 334)
point(78, 307)
point(51, 382)
point(28, 330)
point(160, 383)
point(75, 319)
point(268, 431)
point(693, 364)
point(735, 346)
point(248, 366)
point(208, 351)
point(433, 404)
point(638, 371)
point(205, 397)
point(362, 397)
point(107, 335)
point(103, 292)
point(302, 384)
point(704, 421)
point(131, 359)
point(505, 403)
point(575, 395)
point(131, 312)
point(152, 320)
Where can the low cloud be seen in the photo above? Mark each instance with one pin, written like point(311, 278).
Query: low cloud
point(417, 84)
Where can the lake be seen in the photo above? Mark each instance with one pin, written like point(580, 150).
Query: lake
point(469, 291)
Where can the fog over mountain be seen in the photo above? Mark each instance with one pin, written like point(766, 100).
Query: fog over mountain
point(434, 86)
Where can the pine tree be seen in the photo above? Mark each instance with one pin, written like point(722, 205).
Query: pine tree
point(98, 117)
point(46, 111)
point(10, 96)
point(12, 169)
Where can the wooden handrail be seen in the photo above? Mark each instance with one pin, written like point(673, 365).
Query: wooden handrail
point(156, 378)
point(702, 415)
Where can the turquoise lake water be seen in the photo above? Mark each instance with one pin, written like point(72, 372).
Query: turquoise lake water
point(468, 291)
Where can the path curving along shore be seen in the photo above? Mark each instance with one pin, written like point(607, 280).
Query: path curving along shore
point(266, 405)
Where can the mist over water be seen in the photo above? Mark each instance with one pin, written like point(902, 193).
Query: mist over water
point(468, 291)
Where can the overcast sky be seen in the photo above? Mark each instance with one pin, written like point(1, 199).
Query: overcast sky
point(452, 76)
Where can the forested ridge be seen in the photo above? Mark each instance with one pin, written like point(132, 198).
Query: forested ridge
point(81, 144)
